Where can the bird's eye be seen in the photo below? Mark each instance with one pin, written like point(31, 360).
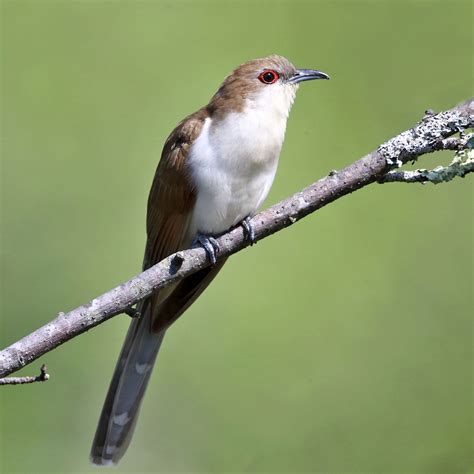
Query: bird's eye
point(268, 76)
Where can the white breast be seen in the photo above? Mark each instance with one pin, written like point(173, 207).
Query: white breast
point(233, 161)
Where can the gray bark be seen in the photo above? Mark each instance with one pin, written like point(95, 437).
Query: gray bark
point(427, 136)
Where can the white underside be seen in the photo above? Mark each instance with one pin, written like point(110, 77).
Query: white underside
point(233, 161)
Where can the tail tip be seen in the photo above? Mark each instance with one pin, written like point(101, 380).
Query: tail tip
point(99, 460)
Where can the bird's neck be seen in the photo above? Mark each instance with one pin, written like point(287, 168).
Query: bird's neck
point(255, 125)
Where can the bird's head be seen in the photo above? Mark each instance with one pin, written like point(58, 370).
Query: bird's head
point(265, 83)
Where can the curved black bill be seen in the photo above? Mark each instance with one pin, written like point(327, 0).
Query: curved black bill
point(307, 75)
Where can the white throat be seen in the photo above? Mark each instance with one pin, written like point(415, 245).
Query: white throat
point(234, 160)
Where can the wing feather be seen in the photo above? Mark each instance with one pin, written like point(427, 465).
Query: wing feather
point(172, 195)
point(170, 206)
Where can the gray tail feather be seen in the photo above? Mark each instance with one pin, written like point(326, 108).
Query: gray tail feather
point(132, 373)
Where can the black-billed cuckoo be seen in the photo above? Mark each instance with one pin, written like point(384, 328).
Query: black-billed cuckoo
point(216, 169)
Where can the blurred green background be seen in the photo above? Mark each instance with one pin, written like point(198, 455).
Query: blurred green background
point(342, 344)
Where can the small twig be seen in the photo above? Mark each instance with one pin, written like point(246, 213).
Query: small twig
point(42, 377)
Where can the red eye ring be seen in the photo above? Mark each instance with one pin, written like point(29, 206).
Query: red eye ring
point(268, 76)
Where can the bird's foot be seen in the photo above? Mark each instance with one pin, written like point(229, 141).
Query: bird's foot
point(210, 245)
point(249, 230)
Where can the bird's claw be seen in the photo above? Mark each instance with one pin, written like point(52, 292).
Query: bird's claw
point(249, 230)
point(210, 245)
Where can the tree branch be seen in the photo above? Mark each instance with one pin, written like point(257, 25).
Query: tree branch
point(427, 136)
point(42, 377)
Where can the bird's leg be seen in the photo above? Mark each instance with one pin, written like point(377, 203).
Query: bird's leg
point(210, 245)
point(249, 229)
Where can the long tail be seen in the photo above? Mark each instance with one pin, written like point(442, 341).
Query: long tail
point(120, 412)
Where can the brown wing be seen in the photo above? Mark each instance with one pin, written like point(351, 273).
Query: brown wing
point(172, 196)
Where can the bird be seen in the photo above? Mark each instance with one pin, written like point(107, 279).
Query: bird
point(215, 171)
